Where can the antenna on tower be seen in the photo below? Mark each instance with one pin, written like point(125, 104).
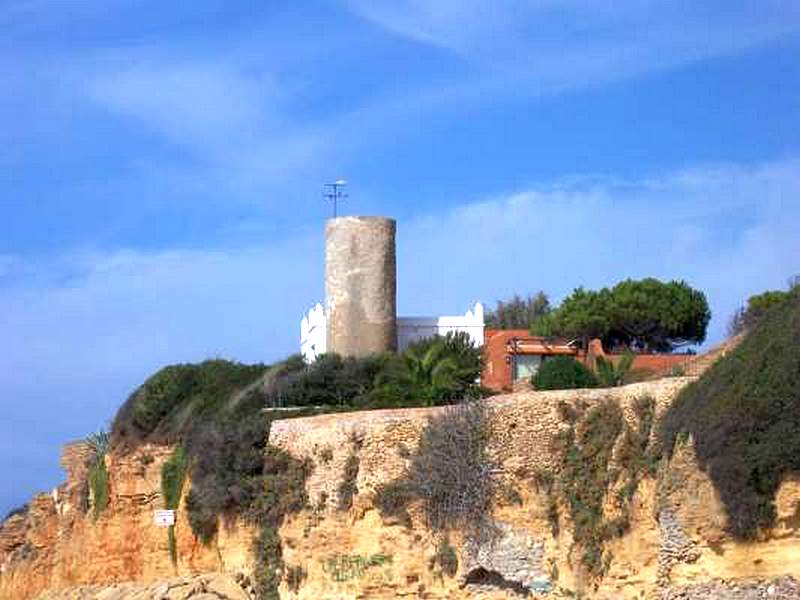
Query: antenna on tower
point(335, 192)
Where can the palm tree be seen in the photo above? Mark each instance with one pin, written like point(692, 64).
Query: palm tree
point(99, 443)
point(610, 374)
point(431, 371)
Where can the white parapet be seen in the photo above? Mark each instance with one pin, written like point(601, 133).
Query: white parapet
point(314, 333)
point(313, 329)
point(411, 329)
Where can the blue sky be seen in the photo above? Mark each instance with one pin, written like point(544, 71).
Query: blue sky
point(161, 169)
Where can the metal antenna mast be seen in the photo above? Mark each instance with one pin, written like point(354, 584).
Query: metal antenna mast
point(335, 192)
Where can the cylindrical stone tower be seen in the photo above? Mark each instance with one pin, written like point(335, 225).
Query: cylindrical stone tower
point(361, 285)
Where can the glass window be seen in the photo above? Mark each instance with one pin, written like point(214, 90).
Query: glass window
point(526, 365)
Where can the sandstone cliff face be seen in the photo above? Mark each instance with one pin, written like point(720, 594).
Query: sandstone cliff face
point(676, 537)
point(674, 544)
point(58, 543)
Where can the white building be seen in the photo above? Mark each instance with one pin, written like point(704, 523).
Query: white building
point(313, 329)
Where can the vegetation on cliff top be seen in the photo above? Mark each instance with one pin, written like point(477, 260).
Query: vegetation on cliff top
point(179, 401)
point(744, 418)
point(757, 306)
point(180, 398)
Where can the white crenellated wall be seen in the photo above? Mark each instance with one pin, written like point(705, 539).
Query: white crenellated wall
point(314, 333)
point(313, 329)
point(411, 329)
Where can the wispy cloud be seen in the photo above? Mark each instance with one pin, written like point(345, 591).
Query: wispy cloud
point(553, 45)
point(226, 113)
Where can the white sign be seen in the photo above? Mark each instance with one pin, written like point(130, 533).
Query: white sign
point(164, 518)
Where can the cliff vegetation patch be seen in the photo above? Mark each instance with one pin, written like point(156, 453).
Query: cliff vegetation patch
point(97, 472)
point(451, 473)
point(743, 416)
point(173, 476)
point(600, 454)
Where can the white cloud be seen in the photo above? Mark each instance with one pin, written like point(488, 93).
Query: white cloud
point(189, 101)
point(227, 113)
point(551, 45)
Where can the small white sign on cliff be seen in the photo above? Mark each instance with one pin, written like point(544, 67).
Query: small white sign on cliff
point(164, 518)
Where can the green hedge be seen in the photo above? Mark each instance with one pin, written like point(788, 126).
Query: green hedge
point(563, 373)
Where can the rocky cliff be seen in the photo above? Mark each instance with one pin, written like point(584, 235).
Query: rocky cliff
point(584, 503)
point(674, 534)
point(57, 543)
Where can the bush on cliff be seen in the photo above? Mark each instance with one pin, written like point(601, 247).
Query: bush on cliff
point(744, 417)
point(432, 371)
point(180, 397)
point(757, 306)
point(97, 473)
point(227, 473)
point(451, 473)
point(173, 476)
point(330, 381)
point(230, 474)
point(563, 373)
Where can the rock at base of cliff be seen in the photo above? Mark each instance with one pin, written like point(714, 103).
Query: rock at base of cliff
point(201, 587)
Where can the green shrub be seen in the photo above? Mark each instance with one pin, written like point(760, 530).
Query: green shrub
point(97, 472)
point(445, 559)
point(585, 478)
point(330, 381)
point(98, 482)
point(227, 471)
point(283, 493)
point(611, 374)
point(392, 499)
point(269, 563)
point(180, 397)
point(744, 417)
point(587, 475)
point(757, 306)
point(347, 488)
point(563, 373)
point(173, 475)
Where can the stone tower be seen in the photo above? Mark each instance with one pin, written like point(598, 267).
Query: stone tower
point(361, 285)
